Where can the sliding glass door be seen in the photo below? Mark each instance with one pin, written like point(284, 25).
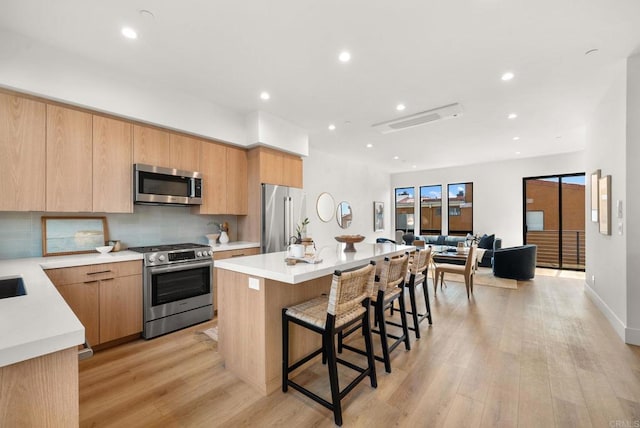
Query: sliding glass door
point(554, 219)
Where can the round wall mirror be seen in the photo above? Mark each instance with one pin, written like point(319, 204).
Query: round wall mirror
point(325, 206)
point(344, 215)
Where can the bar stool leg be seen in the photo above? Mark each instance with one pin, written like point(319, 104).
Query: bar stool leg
point(414, 307)
point(425, 291)
point(382, 326)
point(368, 343)
point(403, 318)
point(333, 376)
point(285, 351)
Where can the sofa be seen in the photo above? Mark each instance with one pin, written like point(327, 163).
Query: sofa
point(487, 242)
point(515, 262)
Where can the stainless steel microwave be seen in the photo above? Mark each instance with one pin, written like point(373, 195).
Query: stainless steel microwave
point(159, 186)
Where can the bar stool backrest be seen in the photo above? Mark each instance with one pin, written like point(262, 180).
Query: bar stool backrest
point(393, 272)
point(350, 288)
point(420, 261)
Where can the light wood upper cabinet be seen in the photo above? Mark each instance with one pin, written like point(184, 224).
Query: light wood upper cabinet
point(224, 172)
point(22, 154)
point(185, 152)
point(292, 171)
point(237, 197)
point(279, 168)
point(112, 166)
point(214, 176)
point(69, 160)
point(151, 146)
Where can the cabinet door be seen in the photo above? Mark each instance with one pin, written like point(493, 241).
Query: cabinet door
point(271, 166)
point(185, 153)
point(292, 171)
point(112, 170)
point(22, 154)
point(236, 189)
point(83, 299)
point(213, 166)
point(69, 160)
point(120, 307)
point(151, 146)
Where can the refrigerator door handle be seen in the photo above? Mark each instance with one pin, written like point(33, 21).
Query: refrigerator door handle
point(288, 220)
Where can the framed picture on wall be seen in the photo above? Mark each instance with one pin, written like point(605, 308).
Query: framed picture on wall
point(595, 188)
point(604, 205)
point(378, 216)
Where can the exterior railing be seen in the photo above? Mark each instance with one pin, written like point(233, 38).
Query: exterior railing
point(573, 248)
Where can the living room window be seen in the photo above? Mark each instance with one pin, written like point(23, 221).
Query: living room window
point(405, 209)
point(460, 208)
point(431, 210)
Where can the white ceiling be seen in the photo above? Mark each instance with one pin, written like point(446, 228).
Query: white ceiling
point(424, 54)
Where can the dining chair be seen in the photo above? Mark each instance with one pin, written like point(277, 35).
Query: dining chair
point(348, 304)
point(467, 270)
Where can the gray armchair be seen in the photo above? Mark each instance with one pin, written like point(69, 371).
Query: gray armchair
point(515, 262)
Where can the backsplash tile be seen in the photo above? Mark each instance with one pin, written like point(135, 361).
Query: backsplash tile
point(21, 232)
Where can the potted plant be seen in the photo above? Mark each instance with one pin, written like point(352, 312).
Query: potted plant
point(301, 230)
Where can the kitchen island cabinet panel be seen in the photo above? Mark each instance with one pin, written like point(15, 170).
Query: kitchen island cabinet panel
point(22, 154)
point(151, 146)
point(69, 169)
point(120, 307)
point(112, 171)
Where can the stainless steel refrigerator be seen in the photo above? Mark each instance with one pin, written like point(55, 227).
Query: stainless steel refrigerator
point(283, 208)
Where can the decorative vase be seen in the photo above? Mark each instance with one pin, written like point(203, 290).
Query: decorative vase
point(224, 238)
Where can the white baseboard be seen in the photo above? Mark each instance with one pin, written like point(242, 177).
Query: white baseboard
point(617, 324)
point(632, 336)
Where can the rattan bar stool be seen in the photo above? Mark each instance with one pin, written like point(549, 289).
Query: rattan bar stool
point(387, 289)
point(348, 304)
point(417, 275)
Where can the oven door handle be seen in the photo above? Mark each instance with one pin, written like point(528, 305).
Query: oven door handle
point(181, 266)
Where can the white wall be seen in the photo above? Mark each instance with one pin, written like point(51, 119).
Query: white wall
point(632, 200)
point(270, 130)
point(497, 189)
point(606, 255)
point(346, 180)
point(38, 69)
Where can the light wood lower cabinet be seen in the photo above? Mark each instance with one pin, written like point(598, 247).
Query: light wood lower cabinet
point(106, 298)
point(220, 255)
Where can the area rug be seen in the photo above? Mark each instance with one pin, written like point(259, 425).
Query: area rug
point(212, 333)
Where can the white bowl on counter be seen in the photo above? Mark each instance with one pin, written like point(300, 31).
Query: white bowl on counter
point(104, 249)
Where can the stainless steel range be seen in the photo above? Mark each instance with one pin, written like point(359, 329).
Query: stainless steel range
point(178, 284)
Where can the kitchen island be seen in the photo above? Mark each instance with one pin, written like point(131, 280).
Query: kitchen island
point(253, 290)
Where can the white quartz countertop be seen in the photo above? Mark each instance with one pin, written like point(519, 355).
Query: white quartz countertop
point(273, 265)
point(236, 245)
point(41, 322)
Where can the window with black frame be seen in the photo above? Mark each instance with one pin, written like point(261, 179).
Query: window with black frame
point(431, 210)
point(405, 209)
point(460, 208)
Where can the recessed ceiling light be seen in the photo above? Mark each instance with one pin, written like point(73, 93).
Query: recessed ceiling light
point(517, 153)
point(516, 138)
point(344, 56)
point(129, 33)
point(400, 107)
point(507, 76)
point(512, 115)
point(414, 166)
point(396, 157)
point(332, 127)
point(369, 145)
point(264, 95)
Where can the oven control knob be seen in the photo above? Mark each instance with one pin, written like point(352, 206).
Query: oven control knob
point(161, 257)
point(199, 254)
point(210, 253)
point(152, 258)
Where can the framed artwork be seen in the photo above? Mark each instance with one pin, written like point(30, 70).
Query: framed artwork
point(604, 204)
point(378, 216)
point(73, 235)
point(595, 189)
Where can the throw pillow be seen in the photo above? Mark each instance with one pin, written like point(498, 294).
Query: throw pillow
point(486, 242)
point(440, 240)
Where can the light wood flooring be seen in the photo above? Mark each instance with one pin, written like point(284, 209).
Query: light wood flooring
point(538, 356)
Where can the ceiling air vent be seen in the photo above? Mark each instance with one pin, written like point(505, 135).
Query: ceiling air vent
point(433, 115)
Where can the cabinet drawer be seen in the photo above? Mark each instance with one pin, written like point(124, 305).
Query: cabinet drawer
point(81, 274)
point(219, 255)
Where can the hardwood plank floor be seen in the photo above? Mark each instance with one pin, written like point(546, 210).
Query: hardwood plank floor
point(538, 356)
